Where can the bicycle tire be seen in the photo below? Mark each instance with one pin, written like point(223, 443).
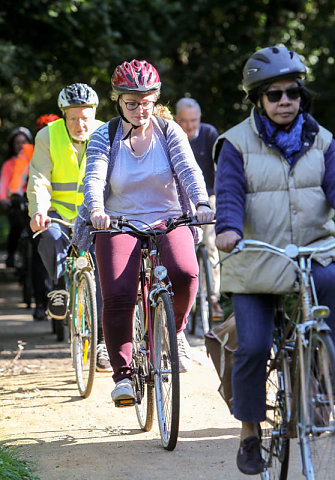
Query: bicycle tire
point(27, 252)
point(317, 428)
point(203, 305)
point(84, 333)
point(143, 385)
point(166, 371)
point(275, 446)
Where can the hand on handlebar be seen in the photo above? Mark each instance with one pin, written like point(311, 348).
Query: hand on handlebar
point(226, 241)
point(100, 220)
point(39, 221)
point(204, 214)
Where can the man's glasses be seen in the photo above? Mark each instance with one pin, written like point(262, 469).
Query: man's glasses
point(276, 95)
point(146, 105)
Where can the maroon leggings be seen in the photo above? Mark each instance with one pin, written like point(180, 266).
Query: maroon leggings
point(118, 258)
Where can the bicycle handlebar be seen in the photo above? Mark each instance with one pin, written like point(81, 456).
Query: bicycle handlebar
point(55, 220)
point(291, 252)
point(118, 223)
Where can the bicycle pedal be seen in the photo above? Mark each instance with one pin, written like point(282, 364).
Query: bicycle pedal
point(125, 402)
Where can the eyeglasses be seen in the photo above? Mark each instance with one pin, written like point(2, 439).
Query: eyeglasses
point(291, 93)
point(146, 105)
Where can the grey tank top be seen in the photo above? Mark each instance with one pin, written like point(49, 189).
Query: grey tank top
point(142, 187)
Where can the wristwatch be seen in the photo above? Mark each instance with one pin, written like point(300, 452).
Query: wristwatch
point(202, 204)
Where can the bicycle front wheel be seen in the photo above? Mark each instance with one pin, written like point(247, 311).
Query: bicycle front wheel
point(316, 408)
point(166, 370)
point(84, 337)
point(275, 445)
point(142, 376)
point(203, 307)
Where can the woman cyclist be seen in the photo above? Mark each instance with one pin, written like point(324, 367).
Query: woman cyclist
point(148, 175)
point(275, 183)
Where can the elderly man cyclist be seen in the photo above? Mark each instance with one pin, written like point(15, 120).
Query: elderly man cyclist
point(55, 189)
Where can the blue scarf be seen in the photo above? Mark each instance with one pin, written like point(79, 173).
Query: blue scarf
point(289, 140)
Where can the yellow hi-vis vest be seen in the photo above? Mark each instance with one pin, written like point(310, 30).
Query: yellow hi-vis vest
point(67, 175)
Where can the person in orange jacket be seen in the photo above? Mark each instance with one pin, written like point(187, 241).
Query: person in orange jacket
point(20, 173)
point(16, 190)
point(18, 137)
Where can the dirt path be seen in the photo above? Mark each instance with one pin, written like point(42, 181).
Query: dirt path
point(69, 438)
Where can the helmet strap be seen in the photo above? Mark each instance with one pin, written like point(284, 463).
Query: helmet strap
point(133, 127)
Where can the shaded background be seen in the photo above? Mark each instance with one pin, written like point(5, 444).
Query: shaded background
point(199, 48)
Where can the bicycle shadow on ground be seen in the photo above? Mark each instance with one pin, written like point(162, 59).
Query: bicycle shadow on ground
point(93, 457)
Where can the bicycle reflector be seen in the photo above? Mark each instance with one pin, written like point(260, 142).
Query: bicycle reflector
point(81, 262)
point(320, 311)
point(160, 272)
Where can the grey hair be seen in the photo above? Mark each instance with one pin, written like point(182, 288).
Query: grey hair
point(187, 102)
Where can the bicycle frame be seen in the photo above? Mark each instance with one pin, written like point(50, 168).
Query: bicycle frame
point(81, 316)
point(155, 361)
point(76, 262)
point(153, 275)
point(152, 281)
point(293, 357)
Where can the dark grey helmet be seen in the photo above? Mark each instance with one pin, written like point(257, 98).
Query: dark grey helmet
point(270, 63)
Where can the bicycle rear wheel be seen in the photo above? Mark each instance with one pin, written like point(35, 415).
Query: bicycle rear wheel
point(84, 333)
point(275, 445)
point(317, 422)
point(141, 377)
point(166, 370)
point(203, 306)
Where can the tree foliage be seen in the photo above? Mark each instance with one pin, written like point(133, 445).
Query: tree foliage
point(198, 46)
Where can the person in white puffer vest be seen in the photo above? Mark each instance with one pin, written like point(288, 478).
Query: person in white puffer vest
point(275, 182)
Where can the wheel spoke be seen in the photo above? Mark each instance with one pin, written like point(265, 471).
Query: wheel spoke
point(317, 429)
point(84, 335)
point(141, 377)
point(166, 371)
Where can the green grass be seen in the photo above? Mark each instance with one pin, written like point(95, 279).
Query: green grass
point(13, 467)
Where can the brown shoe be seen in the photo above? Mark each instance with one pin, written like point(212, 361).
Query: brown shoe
point(217, 312)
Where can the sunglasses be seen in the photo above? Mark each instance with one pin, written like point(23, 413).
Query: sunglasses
point(291, 93)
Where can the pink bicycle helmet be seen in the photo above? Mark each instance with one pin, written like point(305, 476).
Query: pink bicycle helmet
point(137, 76)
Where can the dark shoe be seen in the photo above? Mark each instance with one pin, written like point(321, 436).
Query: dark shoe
point(103, 363)
point(39, 313)
point(57, 305)
point(10, 260)
point(249, 460)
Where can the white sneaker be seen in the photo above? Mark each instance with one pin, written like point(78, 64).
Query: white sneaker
point(123, 393)
point(184, 353)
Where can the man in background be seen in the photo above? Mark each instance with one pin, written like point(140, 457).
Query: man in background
point(202, 137)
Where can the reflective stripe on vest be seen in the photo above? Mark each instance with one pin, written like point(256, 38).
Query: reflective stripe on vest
point(67, 176)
